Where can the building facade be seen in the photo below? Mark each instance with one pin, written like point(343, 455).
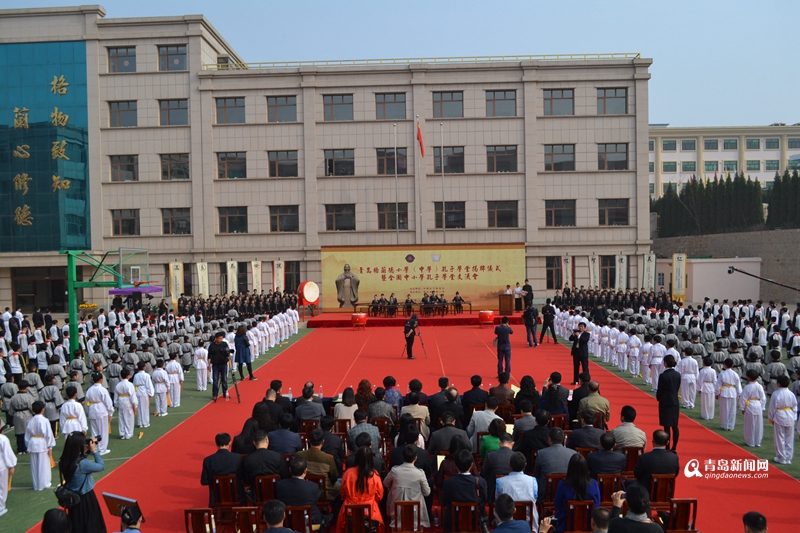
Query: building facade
point(677, 154)
point(202, 159)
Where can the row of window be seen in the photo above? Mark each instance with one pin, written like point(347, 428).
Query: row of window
point(713, 166)
point(391, 216)
point(341, 162)
point(712, 145)
point(554, 272)
point(170, 58)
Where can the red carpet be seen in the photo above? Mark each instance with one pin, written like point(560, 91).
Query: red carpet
point(344, 320)
point(165, 477)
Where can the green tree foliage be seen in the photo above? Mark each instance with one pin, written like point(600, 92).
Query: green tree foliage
point(783, 198)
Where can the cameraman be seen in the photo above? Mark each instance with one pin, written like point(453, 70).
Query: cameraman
point(219, 355)
point(77, 469)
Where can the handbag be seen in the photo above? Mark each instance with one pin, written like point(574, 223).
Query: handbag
point(494, 342)
point(68, 498)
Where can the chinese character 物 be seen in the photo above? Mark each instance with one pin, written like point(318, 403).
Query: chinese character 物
point(22, 216)
point(21, 183)
point(21, 117)
point(59, 150)
point(22, 151)
point(59, 85)
point(58, 118)
point(59, 184)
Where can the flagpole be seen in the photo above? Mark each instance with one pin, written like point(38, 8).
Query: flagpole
point(441, 162)
point(396, 189)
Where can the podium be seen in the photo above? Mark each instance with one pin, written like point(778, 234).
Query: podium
point(506, 304)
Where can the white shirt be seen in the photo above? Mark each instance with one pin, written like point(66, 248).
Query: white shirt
point(39, 435)
point(143, 384)
point(728, 384)
point(125, 387)
point(753, 400)
point(783, 407)
point(7, 458)
point(98, 401)
point(72, 417)
point(688, 369)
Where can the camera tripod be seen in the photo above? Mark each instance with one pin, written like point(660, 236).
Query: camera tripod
point(422, 342)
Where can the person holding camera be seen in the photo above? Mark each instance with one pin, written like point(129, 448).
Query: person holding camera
point(76, 469)
point(580, 351)
point(219, 355)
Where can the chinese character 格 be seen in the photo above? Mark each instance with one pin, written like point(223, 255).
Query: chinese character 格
point(59, 184)
point(22, 216)
point(58, 118)
point(59, 150)
point(59, 85)
point(21, 118)
point(21, 183)
point(22, 151)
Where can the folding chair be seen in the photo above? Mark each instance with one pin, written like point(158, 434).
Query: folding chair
point(407, 517)
point(199, 521)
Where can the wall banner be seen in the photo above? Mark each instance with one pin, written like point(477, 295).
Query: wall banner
point(175, 282)
point(256, 265)
point(277, 276)
point(678, 276)
point(202, 280)
point(649, 271)
point(233, 281)
point(622, 272)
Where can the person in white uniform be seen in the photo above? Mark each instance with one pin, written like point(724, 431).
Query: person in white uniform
point(729, 387)
point(201, 366)
point(72, 417)
point(126, 400)
point(689, 371)
point(634, 343)
point(8, 463)
point(707, 378)
point(40, 442)
point(175, 377)
point(752, 403)
point(143, 385)
point(101, 411)
point(657, 353)
point(161, 388)
point(782, 416)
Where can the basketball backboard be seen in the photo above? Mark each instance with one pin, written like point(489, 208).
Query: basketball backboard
point(133, 266)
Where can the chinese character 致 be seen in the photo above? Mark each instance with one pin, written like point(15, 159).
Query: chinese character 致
point(22, 216)
point(21, 183)
point(58, 118)
point(59, 150)
point(762, 465)
point(21, 117)
point(710, 465)
point(22, 151)
point(59, 184)
point(59, 85)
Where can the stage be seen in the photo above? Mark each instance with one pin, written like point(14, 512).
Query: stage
point(344, 320)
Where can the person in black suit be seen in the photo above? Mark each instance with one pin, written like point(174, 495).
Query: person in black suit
point(606, 461)
point(275, 410)
point(587, 436)
point(423, 461)
point(462, 488)
point(283, 401)
point(263, 461)
point(536, 438)
point(296, 491)
point(548, 318)
point(38, 318)
point(450, 405)
point(579, 394)
point(658, 461)
point(527, 295)
point(497, 462)
point(440, 397)
point(580, 351)
point(474, 396)
point(222, 463)
point(440, 439)
point(332, 444)
point(284, 440)
point(669, 408)
point(274, 512)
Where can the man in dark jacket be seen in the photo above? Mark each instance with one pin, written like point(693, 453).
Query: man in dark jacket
point(283, 440)
point(606, 461)
point(263, 461)
point(658, 461)
point(462, 488)
point(451, 406)
point(297, 491)
point(222, 463)
point(440, 439)
point(474, 396)
point(497, 462)
point(218, 355)
point(536, 438)
point(587, 436)
point(333, 443)
point(580, 351)
point(531, 317)
point(579, 394)
point(669, 408)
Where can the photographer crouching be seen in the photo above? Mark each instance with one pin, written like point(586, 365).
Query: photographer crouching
point(76, 469)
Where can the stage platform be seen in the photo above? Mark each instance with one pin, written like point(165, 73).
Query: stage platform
point(343, 320)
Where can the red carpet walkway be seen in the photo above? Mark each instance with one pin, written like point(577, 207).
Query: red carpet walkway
point(165, 477)
point(344, 320)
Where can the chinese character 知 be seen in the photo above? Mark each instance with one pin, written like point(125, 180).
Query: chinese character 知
point(59, 184)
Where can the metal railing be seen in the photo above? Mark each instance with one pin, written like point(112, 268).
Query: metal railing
point(419, 60)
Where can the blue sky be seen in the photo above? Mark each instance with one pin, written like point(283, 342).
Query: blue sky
point(715, 63)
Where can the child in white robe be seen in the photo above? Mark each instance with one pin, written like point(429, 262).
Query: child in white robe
point(657, 353)
point(622, 349)
point(689, 371)
point(729, 387)
point(644, 359)
point(161, 388)
point(201, 365)
point(72, 417)
point(101, 410)
point(783, 415)
point(633, 354)
point(40, 441)
point(143, 385)
point(175, 375)
point(8, 462)
point(707, 378)
point(125, 398)
point(753, 402)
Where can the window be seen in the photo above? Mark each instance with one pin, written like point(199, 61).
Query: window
point(669, 146)
point(667, 186)
point(651, 145)
point(612, 101)
point(174, 167)
point(230, 110)
point(172, 58)
point(559, 102)
point(608, 272)
point(125, 222)
point(652, 188)
point(501, 103)
point(559, 212)
point(651, 167)
point(501, 159)
point(669, 166)
point(337, 107)
point(688, 145)
point(613, 212)
point(612, 156)
point(340, 217)
point(454, 214)
point(448, 104)
point(281, 109)
point(711, 145)
point(753, 165)
point(453, 160)
point(503, 214)
point(284, 218)
point(241, 276)
point(176, 221)
point(689, 166)
point(730, 144)
point(340, 163)
point(122, 59)
point(231, 165)
point(232, 219)
point(386, 161)
point(174, 112)
point(291, 275)
point(772, 144)
point(794, 164)
point(771, 164)
point(76, 225)
point(390, 106)
point(712, 166)
point(559, 157)
point(752, 144)
point(124, 168)
point(730, 166)
point(660, 278)
point(553, 272)
point(283, 164)
point(392, 215)
point(122, 114)
point(794, 142)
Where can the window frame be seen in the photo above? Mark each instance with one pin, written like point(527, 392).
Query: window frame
point(772, 143)
point(387, 221)
point(610, 212)
point(120, 218)
point(451, 159)
point(608, 271)
point(606, 163)
point(168, 164)
point(493, 157)
point(492, 100)
point(115, 111)
point(334, 214)
point(331, 156)
point(275, 108)
point(167, 52)
point(664, 168)
point(495, 210)
point(707, 143)
point(685, 143)
point(119, 164)
point(382, 105)
point(170, 218)
point(748, 165)
point(455, 215)
point(114, 59)
point(730, 144)
point(332, 109)
point(770, 163)
point(173, 114)
point(277, 169)
point(229, 216)
point(440, 105)
point(793, 143)
point(224, 165)
point(672, 143)
point(651, 167)
point(605, 98)
point(223, 109)
point(554, 210)
point(711, 166)
point(278, 214)
point(730, 166)
point(752, 144)
point(688, 166)
point(550, 99)
point(554, 278)
point(385, 159)
point(551, 151)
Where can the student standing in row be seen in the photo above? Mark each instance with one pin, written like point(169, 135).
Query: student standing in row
point(40, 442)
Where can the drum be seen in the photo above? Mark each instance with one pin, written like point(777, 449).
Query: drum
point(485, 317)
point(359, 320)
point(308, 293)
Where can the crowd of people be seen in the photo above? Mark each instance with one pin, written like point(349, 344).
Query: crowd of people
point(430, 304)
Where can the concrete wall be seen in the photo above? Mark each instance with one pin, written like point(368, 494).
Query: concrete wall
point(778, 250)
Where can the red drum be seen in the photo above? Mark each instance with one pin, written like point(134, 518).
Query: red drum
point(485, 317)
point(359, 320)
point(308, 293)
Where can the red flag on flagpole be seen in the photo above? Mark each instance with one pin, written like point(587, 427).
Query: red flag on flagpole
point(419, 139)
